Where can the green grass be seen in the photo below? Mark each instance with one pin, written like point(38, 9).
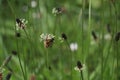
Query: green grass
point(79, 19)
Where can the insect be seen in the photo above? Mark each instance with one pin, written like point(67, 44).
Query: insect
point(48, 39)
point(48, 42)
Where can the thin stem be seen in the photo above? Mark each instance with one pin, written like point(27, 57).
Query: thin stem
point(11, 9)
point(71, 58)
point(28, 37)
point(20, 60)
point(102, 53)
point(116, 44)
point(89, 30)
point(55, 26)
point(81, 72)
point(47, 65)
point(17, 40)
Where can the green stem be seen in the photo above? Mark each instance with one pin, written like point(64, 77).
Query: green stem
point(89, 31)
point(16, 39)
point(116, 44)
point(20, 60)
point(81, 72)
point(47, 65)
point(71, 56)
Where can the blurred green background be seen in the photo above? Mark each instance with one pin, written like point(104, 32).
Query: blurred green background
point(79, 19)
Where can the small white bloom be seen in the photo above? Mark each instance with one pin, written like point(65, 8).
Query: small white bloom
point(33, 3)
point(57, 11)
point(43, 36)
point(80, 69)
point(107, 36)
point(50, 36)
point(46, 36)
point(73, 46)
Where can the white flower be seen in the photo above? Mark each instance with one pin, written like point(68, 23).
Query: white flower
point(57, 10)
point(33, 3)
point(21, 23)
point(73, 46)
point(107, 36)
point(46, 36)
point(79, 66)
point(77, 69)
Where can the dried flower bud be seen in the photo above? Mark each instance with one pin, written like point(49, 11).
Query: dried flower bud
point(8, 76)
point(18, 21)
point(94, 35)
point(17, 34)
point(117, 36)
point(14, 52)
point(49, 68)
point(79, 65)
point(108, 28)
point(64, 36)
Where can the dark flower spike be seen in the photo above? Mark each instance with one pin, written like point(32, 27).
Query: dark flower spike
point(49, 68)
point(18, 34)
point(8, 76)
point(64, 36)
point(79, 65)
point(18, 21)
point(14, 52)
point(117, 36)
point(108, 28)
point(21, 23)
point(94, 35)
